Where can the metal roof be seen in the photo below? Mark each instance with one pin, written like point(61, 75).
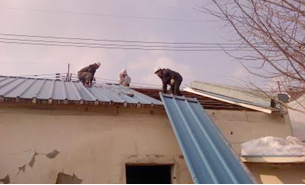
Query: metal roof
point(237, 92)
point(206, 102)
point(234, 101)
point(208, 155)
point(42, 90)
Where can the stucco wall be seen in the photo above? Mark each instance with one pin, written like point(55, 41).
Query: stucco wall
point(95, 143)
point(95, 146)
point(297, 117)
point(241, 126)
point(266, 173)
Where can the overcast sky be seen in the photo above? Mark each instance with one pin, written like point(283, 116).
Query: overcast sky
point(147, 21)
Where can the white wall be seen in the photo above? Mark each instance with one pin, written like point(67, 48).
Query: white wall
point(241, 126)
point(297, 117)
point(96, 142)
point(94, 146)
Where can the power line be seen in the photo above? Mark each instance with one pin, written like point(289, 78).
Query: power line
point(117, 44)
point(104, 47)
point(120, 45)
point(116, 40)
point(101, 15)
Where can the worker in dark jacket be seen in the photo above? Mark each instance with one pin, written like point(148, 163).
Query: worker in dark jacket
point(171, 78)
point(86, 75)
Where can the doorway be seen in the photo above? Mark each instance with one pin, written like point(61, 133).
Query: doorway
point(148, 174)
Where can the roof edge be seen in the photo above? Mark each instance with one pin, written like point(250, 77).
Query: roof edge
point(273, 159)
point(253, 107)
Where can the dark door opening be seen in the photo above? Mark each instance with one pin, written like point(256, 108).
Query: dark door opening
point(145, 174)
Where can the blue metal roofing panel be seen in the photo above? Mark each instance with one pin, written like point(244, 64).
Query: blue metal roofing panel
point(208, 155)
point(32, 89)
point(72, 94)
point(7, 84)
point(16, 89)
point(100, 95)
point(59, 91)
point(120, 95)
point(45, 89)
point(3, 78)
point(107, 92)
point(84, 93)
point(125, 93)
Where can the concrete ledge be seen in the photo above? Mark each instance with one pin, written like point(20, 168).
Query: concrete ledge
point(273, 159)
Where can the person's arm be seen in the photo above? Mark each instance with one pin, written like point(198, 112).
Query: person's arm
point(164, 86)
point(92, 77)
point(165, 80)
point(91, 69)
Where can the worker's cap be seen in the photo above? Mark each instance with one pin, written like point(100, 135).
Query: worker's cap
point(157, 69)
point(98, 64)
point(124, 71)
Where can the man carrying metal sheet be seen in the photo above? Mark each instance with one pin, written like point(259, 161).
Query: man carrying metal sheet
point(170, 77)
point(86, 75)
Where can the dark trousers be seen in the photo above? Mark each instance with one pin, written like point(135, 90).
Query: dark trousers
point(175, 88)
point(85, 78)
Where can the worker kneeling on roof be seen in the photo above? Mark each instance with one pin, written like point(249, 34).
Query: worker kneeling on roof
point(124, 79)
point(86, 75)
point(171, 78)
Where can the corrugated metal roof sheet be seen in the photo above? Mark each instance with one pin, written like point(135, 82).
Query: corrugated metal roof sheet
point(208, 155)
point(50, 90)
point(234, 101)
point(206, 102)
point(241, 93)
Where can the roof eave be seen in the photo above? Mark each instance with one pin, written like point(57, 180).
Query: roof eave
point(253, 107)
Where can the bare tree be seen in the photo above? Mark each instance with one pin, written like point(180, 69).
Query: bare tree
point(274, 30)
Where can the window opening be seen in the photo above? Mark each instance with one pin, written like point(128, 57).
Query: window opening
point(148, 174)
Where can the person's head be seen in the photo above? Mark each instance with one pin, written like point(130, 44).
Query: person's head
point(124, 72)
point(97, 64)
point(158, 71)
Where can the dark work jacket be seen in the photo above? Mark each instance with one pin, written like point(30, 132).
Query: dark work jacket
point(166, 77)
point(91, 69)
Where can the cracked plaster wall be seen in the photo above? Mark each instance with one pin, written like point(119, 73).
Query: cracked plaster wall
point(94, 143)
point(92, 147)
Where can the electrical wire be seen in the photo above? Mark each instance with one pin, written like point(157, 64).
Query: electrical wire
point(102, 15)
point(115, 40)
point(121, 48)
point(120, 45)
point(117, 44)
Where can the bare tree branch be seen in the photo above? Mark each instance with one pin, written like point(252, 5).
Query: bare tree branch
point(274, 30)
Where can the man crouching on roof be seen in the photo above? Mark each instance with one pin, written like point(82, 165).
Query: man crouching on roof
point(86, 75)
point(170, 77)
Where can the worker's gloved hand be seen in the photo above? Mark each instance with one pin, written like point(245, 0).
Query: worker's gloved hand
point(172, 81)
